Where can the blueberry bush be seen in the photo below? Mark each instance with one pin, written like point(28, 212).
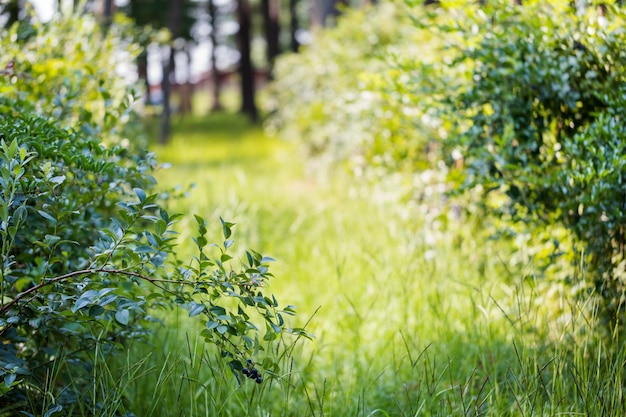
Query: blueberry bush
point(87, 246)
point(542, 127)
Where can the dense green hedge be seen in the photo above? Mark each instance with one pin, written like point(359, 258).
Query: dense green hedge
point(520, 105)
point(544, 125)
point(87, 247)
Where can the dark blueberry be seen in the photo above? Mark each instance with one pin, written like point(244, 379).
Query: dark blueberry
point(249, 361)
point(259, 380)
point(245, 371)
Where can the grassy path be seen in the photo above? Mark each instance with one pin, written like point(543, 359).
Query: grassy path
point(410, 317)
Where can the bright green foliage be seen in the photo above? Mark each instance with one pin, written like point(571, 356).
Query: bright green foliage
point(544, 126)
point(367, 95)
point(408, 320)
point(60, 73)
point(87, 249)
point(521, 105)
point(340, 96)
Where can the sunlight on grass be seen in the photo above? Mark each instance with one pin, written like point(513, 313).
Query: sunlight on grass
point(396, 332)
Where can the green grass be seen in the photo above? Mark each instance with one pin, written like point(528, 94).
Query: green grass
point(410, 317)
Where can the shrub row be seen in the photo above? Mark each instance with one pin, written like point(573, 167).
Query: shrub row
point(520, 105)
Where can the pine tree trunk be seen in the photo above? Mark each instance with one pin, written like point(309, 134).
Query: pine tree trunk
point(246, 71)
point(215, 75)
point(166, 87)
point(271, 10)
point(295, 25)
point(142, 73)
point(173, 24)
point(186, 89)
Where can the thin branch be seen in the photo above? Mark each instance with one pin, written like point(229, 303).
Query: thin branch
point(92, 271)
point(45, 283)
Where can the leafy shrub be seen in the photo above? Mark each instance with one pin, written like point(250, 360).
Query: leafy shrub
point(523, 104)
point(366, 95)
point(339, 97)
point(57, 70)
point(86, 246)
point(545, 127)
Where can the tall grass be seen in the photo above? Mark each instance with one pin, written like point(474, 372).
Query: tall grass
point(410, 317)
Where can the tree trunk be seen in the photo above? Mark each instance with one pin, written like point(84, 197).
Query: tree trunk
point(13, 10)
point(271, 10)
point(107, 11)
point(295, 25)
point(246, 71)
point(325, 12)
point(215, 75)
point(142, 73)
point(166, 86)
point(173, 23)
point(104, 9)
point(186, 88)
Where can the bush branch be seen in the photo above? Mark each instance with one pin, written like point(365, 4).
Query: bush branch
point(5, 307)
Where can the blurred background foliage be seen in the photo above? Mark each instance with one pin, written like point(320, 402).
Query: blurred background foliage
point(517, 106)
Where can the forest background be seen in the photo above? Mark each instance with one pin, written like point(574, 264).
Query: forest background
point(439, 187)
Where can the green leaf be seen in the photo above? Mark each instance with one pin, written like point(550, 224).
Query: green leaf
point(270, 336)
point(58, 179)
point(275, 327)
point(248, 342)
point(81, 303)
point(151, 239)
point(226, 228)
point(200, 241)
point(4, 212)
point(199, 220)
point(160, 227)
point(9, 379)
point(122, 316)
point(141, 194)
point(217, 310)
point(195, 309)
point(291, 310)
point(12, 151)
point(156, 260)
point(47, 216)
point(95, 310)
point(144, 249)
point(22, 283)
point(224, 317)
point(51, 240)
